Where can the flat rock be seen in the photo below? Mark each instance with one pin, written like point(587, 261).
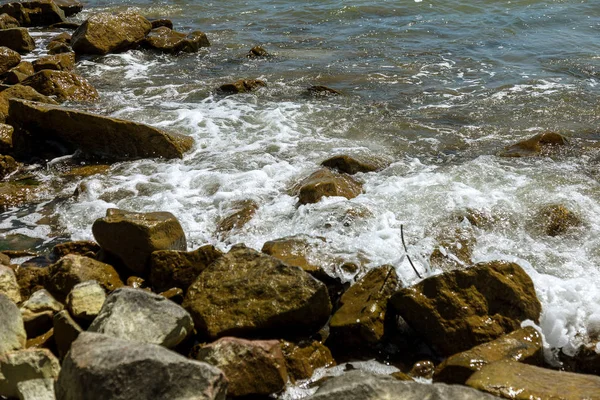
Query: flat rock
point(241, 86)
point(353, 164)
point(100, 367)
point(8, 59)
point(8, 284)
point(85, 300)
point(325, 183)
point(34, 12)
point(17, 39)
point(302, 359)
point(64, 85)
point(23, 365)
point(12, 329)
point(138, 315)
point(538, 144)
point(57, 62)
point(233, 297)
point(20, 92)
point(169, 41)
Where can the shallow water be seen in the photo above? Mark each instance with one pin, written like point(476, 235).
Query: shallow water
point(436, 89)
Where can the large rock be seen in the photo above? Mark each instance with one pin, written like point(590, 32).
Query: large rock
point(18, 74)
point(6, 132)
point(100, 367)
point(24, 365)
point(66, 331)
point(132, 237)
point(93, 134)
point(31, 279)
point(69, 7)
point(171, 268)
point(66, 86)
point(353, 164)
point(12, 329)
point(58, 62)
point(36, 389)
point(7, 22)
point(325, 182)
point(460, 309)
point(514, 380)
point(304, 358)
point(86, 300)
point(295, 250)
point(34, 12)
point(138, 315)
point(19, 92)
point(244, 211)
point(523, 345)
point(538, 144)
point(252, 367)
point(38, 312)
point(105, 33)
point(8, 284)
point(249, 293)
point(8, 59)
point(169, 41)
point(556, 219)
point(80, 247)
point(17, 39)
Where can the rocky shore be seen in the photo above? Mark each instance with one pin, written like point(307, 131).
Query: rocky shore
point(137, 314)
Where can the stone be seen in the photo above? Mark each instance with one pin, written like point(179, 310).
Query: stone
point(232, 297)
point(539, 144)
point(157, 23)
point(174, 294)
point(12, 329)
point(93, 134)
point(461, 309)
point(7, 22)
point(66, 330)
point(43, 341)
point(134, 371)
point(295, 251)
point(322, 91)
point(23, 365)
point(73, 269)
point(359, 321)
point(138, 315)
point(556, 219)
point(136, 282)
point(6, 132)
point(36, 389)
point(85, 300)
point(69, 7)
point(18, 74)
point(79, 247)
point(304, 358)
point(515, 380)
point(422, 369)
point(20, 92)
point(353, 164)
point(38, 312)
point(252, 367)
point(169, 41)
point(172, 268)
point(64, 25)
point(454, 248)
point(31, 279)
point(58, 62)
point(325, 182)
point(258, 52)
point(104, 33)
point(241, 86)
point(244, 211)
point(64, 37)
point(34, 12)
point(15, 194)
point(59, 48)
point(66, 86)
point(8, 165)
point(523, 345)
point(132, 237)
point(8, 284)
point(17, 39)
point(8, 59)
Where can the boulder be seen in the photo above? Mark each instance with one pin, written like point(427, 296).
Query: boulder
point(8, 284)
point(304, 358)
point(93, 134)
point(85, 300)
point(7, 22)
point(65, 25)
point(171, 268)
point(17, 39)
point(422, 369)
point(233, 297)
point(134, 371)
point(157, 23)
point(80, 247)
point(141, 316)
point(244, 211)
point(38, 312)
point(66, 330)
point(36, 389)
point(353, 164)
point(169, 41)
point(18, 74)
point(325, 182)
point(252, 367)
point(69, 7)
point(556, 219)
point(19, 92)
point(523, 345)
point(34, 12)
point(12, 329)
point(59, 48)
point(258, 52)
point(8, 59)
point(104, 33)
point(514, 380)
point(24, 365)
point(8, 165)
point(454, 248)
point(241, 86)
point(132, 237)
point(15, 194)
point(458, 310)
point(539, 144)
point(58, 62)
point(66, 86)
point(31, 279)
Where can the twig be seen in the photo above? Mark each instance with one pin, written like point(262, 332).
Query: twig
point(406, 251)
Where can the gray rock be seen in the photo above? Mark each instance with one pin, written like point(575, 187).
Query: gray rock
point(38, 312)
point(23, 365)
point(36, 389)
point(8, 284)
point(86, 299)
point(135, 314)
point(12, 329)
point(101, 367)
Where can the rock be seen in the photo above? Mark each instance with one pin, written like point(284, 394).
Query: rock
point(85, 300)
point(523, 345)
point(244, 211)
point(136, 282)
point(543, 142)
point(63, 37)
point(232, 297)
point(295, 251)
point(31, 279)
point(43, 341)
point(104, 33)
point(241, 86)
point(556, 219)
point(169, 41)
point(8, 165)
point(18, 74)
point(8, 59)
point(73, 269)
point(304, 358)
point(7, 22)
point(359, 385)
point(157, 23)
point(352, 165)
point(176, 295)
point(14, 194)
point(65, 25)
point(6, 132)
point(422, 369)
point(12, 329)
point(325, 182)
point(81, 247)
point(322, 91)
point(66, 330)
point(34, 12)
point(359, 322)
point(401, 376)
point(258, 52)
point(93, 134)
point(66, 86)
point(454, 250)
point(171, 268)
point(514, 380)
point(20, 92)
point(36, 389)
point(132, 237)
point(8, 284)
point(17, 39)
point(69, 7)
point(59, 48)
point(23, 365)
point(38, 312)
point(458, 310)
point(252, 367)
point(135, 371)
point(58, 62)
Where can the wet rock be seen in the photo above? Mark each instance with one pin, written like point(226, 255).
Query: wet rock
point(401, 376)
point(322, 91)
point(169, 41)
point(8, 59)
point(244, 211)
point(258, 52)
point(66, 330)
point(132, 237)
point(66, 86)
point(36, 389)
point(455, 249)
point(7, 22)
point(523, 345)
point(514, 380)
point(38, 312)
point(252, 367)
point(294, 251)
point(14, 194)
point(359, 322)
point(171, 268)
point(93, 134)
point(34, 13)
point(104, 33)
point(81, 247)
point(175, 294)
point(23, 365)
point(353, 164)
point(59, 48)
point(422, 369)
point(65, 25)
point(85, 300)
point(8, 165)
point(6, 132)
point(325, 182)
point(8, 284)
point(20, 92)
point(19, 73)
point(17, 39)
point(556, 219)
point(135, 371)
point(536, 145)
point(43, 341)
point(57, 62)
point(458, 310)
point(157, 23)
point(304, 358)
point(241, 86)
point(73, 269)
point(69, 7)
point(31, 279)
point(232, 297)
point(12, 329)
point(136, 282)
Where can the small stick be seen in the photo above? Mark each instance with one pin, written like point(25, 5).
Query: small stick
point(406, 251)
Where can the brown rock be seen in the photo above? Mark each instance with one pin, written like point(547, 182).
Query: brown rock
point(258, 52)
point(66, 86)
point(8, 165)
point(241, 86)
point(8, 59)
point(422, 369)
point(20, 92)
point(304, 358)
point(157, 23)
point(69, 7)
point(65, 25)
point(59, 48)
point(455, 249)
point(58, 62)
point(34, 12)
point(556, 219)
point(66, 330)
point(252, 367)
point(136, 282)
point(325, 182)
point(31, 279)
point(19, 73)
point(7, 22)
point(14, 194)
point(169, 41)
point(174, 294)
point(295, 251)
point(17, 39)
point(82, 248)
point(534, 146)
point(44, 341)
point(458, 310)
point(105, 33)
point(6, 132)
point(244, 211)
point(352, 164)
point(64, 37)
point(132, 237)
point(322, 91)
